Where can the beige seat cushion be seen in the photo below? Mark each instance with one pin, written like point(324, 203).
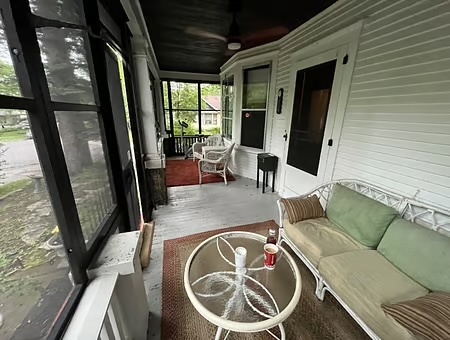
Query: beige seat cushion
point(319, 237)
point(365, 280)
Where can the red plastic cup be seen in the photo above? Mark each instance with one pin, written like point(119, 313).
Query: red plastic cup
point(270, 255)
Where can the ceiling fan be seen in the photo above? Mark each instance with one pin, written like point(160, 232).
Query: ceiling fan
point(234, 39)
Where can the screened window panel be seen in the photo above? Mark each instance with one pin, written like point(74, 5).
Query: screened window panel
point(63, 54)
point(167, 119)
point(211, 104)
point(165, 94)
point(190, 118)
point(9, 84)
point(253, 125)
point(254, 102)
point(227, 127)
point(34, 272)
point(227, 107)
point(255, 87)
point(85, 158)
point(62, 10)
point(184, 95)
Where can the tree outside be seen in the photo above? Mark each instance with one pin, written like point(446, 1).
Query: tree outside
point(34, 272)
point(185, 104)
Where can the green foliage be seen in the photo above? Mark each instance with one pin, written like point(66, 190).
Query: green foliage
point(8, 81)
point(12, 135)
point(185, 98)
point(13, 186)
point(189, 131)
point(212, 131)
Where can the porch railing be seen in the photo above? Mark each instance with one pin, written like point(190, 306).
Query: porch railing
point(182, 144)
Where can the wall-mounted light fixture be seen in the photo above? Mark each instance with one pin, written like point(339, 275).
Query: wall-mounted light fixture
point(280, 100)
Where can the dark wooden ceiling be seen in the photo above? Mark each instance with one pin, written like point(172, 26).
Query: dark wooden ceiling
point(176, 50)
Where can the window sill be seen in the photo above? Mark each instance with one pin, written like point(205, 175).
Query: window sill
point(249, 149)
point(242, 148)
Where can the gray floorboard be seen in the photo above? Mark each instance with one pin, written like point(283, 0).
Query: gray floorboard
point(194, 209)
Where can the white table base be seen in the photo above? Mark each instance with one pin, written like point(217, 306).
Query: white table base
point(282, 331)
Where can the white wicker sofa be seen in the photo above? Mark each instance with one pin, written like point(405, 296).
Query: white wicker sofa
point(325, 266)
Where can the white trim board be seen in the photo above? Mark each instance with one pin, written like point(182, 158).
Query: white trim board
point(347, 38)
point(278, 43)
point(172, 75)
point(237, 70)
point(138, 28)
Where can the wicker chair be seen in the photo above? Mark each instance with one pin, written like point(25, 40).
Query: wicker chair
point(214, 140)
point(215, 162)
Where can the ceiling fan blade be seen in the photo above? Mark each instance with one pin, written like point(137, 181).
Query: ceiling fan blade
point(266, 35)
point(230, 53)
point(204, 34)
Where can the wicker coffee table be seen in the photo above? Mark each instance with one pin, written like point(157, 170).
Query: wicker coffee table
point(251, 300)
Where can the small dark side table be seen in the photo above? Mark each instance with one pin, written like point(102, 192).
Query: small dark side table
point(266, 163)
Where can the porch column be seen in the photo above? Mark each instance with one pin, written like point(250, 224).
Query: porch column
point(146, 105)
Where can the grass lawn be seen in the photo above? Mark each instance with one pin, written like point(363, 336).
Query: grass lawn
point(12, 135)
point(13, 186)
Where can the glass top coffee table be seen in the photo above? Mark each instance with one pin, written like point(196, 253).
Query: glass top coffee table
point(253, 299)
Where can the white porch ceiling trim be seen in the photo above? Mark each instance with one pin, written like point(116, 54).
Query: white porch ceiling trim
point(276, 44)
point(172, 75)
point(138, 28)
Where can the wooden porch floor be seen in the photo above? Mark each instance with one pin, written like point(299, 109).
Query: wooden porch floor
point(194, 209)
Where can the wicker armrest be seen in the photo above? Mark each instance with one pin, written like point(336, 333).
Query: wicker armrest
point(214, 155)
point(197, 147)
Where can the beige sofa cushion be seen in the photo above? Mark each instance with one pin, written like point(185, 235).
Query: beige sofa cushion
point(319, 237)
point(365, 280)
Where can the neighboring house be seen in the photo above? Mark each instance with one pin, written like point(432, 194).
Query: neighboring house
point(389, 103)
point(211, 115)
point(13, 118)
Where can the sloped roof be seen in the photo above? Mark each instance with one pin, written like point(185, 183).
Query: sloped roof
point(213, 101)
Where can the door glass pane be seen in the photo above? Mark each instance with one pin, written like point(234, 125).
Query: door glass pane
point(63, 54)
point(85, 158)
point(34, 272)
point(63, 10)
point(211, 108)
point(256, 84)
point(312, 97)
point(9, 85)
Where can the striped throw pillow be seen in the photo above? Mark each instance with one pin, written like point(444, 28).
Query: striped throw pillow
point(427, 316)
point(299, 209)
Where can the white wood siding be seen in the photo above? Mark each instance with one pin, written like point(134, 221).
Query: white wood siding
point(396, 128)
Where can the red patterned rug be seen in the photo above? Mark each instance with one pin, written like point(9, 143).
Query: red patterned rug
point(312, 319)
point(185, 172)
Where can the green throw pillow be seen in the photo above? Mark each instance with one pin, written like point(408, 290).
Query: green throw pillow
point(419, 252)
point(363, 218)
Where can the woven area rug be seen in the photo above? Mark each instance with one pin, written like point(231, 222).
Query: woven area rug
point(312, 319)
point(185, 172)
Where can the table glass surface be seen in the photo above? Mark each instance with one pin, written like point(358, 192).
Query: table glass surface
point(257, 295)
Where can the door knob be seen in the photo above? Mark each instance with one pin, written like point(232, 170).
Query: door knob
point(285, 136)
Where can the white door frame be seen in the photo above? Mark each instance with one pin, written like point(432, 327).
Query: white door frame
point(345, 41)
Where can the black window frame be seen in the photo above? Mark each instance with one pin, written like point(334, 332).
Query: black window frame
point(20, 29)
point(260, 141)
point(165, 82)
point(227, 103)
